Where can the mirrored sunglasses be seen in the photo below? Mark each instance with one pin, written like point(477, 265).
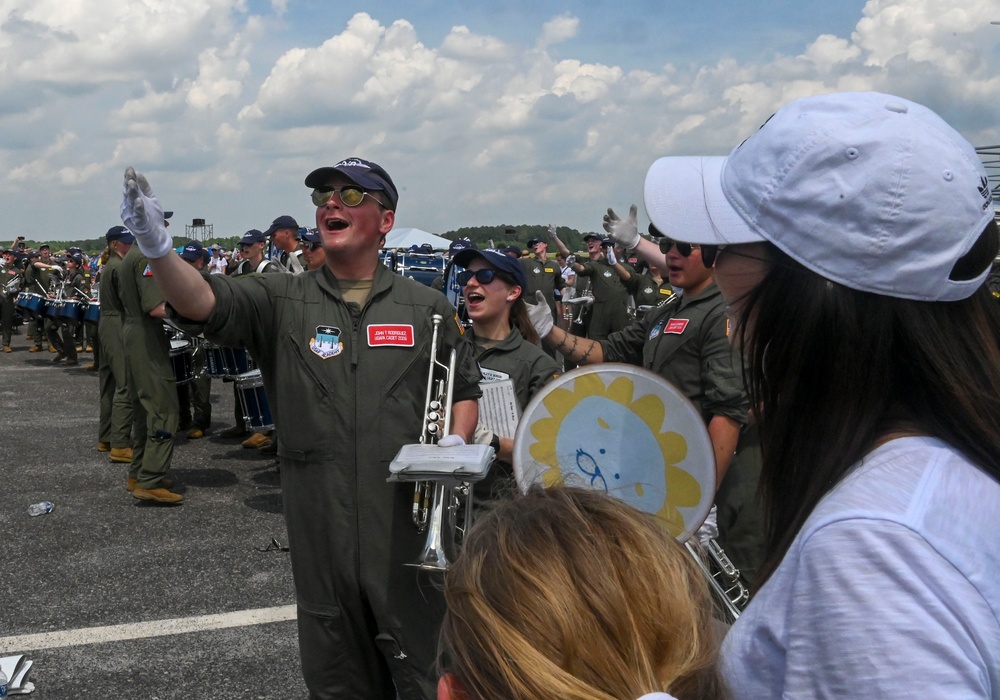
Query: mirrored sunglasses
point(350, 195)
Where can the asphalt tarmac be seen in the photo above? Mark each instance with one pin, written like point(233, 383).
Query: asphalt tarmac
point(112, 597)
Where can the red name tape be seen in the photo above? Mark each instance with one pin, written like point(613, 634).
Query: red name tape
point(676, 325)
point(390, 334)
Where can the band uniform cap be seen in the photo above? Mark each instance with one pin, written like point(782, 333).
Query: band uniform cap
point(363, 173)
point(283, 221)
point(869, 190)
point(253, 236)
point(309, 235)
point(119, 233)
point(460, 245)
point(194, 250)
point(497, 259)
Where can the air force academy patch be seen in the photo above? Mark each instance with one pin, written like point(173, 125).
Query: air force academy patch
point(327, 343)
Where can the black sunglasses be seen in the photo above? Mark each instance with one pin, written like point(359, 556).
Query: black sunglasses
point(684, 249)
point(483, 276)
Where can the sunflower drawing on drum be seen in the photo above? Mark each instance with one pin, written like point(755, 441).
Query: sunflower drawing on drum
point(624, 431)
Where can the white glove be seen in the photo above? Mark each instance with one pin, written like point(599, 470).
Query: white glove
point(143, 216)
point(570, 259)
point(610, 255)
point(540, 315)
point(552, 232)
point(453, 440)
point(624, 231)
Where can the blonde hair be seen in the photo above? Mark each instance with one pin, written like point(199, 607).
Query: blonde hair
point(569, 593)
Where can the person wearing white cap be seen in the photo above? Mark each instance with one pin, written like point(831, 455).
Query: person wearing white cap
point(851, 236)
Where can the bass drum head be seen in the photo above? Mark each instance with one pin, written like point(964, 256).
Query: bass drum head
point(625, 431)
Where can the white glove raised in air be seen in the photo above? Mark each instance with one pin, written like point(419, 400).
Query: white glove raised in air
point(540, 315)
point(453, 440)
point(570, 259)
point(143, 216)
point(611, 257)
point(552, 232)
point(624, 231)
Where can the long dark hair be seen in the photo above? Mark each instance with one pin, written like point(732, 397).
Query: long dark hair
point(833, 369)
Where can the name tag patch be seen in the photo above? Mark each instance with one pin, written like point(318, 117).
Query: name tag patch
point(676, 325)
point(392, 335)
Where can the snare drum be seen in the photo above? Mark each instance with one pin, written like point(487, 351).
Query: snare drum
point(182, 360)
point(253, 400)
point(69, 310)
point(31, 302)
point(228, 362)
point(92, 312)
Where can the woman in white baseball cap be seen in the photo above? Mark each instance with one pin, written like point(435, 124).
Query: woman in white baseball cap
point(851, 236)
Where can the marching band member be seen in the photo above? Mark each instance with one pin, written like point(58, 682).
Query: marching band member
point(150, 379)
point(343, 353)
point(75, 285)
point(284, 235)
point(10, 284)
point(194, 398)
point(851, 237)
point(115, 432)
point(312, 248)
point(493, 286)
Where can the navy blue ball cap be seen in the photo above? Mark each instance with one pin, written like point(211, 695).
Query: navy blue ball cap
point(283, 221)
point(362, 173)
point(309, 235)
point(460, 245)
point(501, 261)
point(253, 236)
point(119, 233)
point(194, 250)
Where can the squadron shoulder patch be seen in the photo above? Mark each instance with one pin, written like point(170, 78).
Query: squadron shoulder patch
point(326, 343)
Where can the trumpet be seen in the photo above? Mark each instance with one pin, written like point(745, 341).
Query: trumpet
point(723, 578)
point(429, 497)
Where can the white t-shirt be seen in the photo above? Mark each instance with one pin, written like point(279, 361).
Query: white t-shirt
point(217, 265)
point(891, 589)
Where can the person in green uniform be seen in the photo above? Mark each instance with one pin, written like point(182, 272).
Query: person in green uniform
point(11, 281)
point(150, 380)
point(543, 274)
point(740, 514)
point(493, 286)
point(609, 312)
point(76, 287)
point(685, 342)
point(344, 355)
point(115, 432)
point(252, 246)
point(195, 397)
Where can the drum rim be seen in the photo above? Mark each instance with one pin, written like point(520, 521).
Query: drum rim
point(678, 402)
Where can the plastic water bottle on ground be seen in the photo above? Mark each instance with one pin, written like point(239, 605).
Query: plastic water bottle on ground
point(40, 508)
point(3, 684)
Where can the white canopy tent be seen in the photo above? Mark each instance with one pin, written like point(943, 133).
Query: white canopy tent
point(405, 237)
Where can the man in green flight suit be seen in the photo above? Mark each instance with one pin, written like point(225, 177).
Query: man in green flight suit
point(343, 352)
point(115, 432)
point(150, 380)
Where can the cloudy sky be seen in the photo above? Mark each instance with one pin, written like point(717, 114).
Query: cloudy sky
point(485, 113)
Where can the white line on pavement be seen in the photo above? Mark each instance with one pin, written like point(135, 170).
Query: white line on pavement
point(142, 630)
